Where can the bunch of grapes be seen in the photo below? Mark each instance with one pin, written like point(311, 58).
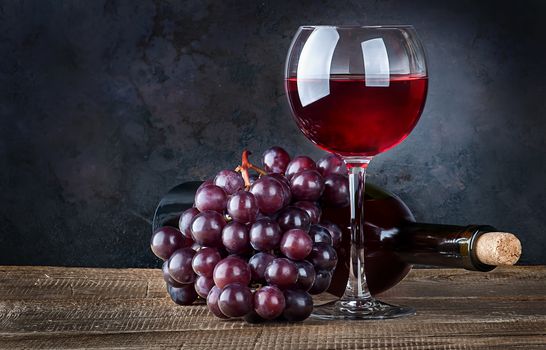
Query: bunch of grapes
point(255, 246)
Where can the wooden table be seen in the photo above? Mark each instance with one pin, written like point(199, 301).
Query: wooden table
point(58, 308)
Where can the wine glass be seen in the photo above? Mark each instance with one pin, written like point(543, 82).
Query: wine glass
point(356, 91)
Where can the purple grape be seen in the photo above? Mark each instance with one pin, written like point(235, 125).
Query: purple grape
point(167, 277)
point(285, 187)
point(258, 262)
point(265, 234)
point(184, 223)
point(230, 181)
point(263, 216)
point(212, 302)
point(307, 185)
point(275, 160)
point(236, 300)
point(196, 246)
point(269, 302)
point(296, 244)
point(281, 178)
point(306, 275)
point(320, 234)
point(205, 183)
point(298, 305)
point(204, 261)
point(312, 210)
point(203, 285)
point(322, 282)
point(293, 217)
point(206, 228)
point(184, 295)
point(231, 270)
point(235, 238)
point(323, 256)
point(269, 194)
point(299, 164)
point(282, 273)
point(331, 164)
point(243, 207)
point(165, 240)
point(179, 265)
point(336, 191)
point(210, 197)
point(335, 232)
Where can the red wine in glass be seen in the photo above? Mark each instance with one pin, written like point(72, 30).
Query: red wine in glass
point(355, 119)
point(356, 91)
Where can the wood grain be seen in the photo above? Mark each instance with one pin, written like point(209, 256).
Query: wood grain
point(69, 308)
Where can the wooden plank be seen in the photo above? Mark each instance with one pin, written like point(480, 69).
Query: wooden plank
point(501, 282)
point(264, 339)
point(157, 314)
point(61, 308)
point(30, 283)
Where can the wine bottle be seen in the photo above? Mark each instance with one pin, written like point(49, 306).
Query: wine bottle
point(394, 241)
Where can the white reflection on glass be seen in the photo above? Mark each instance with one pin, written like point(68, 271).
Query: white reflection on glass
point(314, 65)
point(376, 62)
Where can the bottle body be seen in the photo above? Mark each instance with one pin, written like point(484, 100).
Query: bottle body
point(394, 241)
point(384, 214)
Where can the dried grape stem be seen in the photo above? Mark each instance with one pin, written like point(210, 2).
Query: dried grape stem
point(258, 170)
point(245, 166)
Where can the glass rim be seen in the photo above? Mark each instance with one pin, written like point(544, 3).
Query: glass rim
point(357, 26)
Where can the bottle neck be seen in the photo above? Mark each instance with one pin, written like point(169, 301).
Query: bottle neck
point(441, 245)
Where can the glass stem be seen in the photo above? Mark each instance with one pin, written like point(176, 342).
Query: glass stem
point(357, 288)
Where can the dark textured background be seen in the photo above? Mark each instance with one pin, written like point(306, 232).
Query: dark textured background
point(107, 104)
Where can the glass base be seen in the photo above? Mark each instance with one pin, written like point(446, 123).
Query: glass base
point(369, 309)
